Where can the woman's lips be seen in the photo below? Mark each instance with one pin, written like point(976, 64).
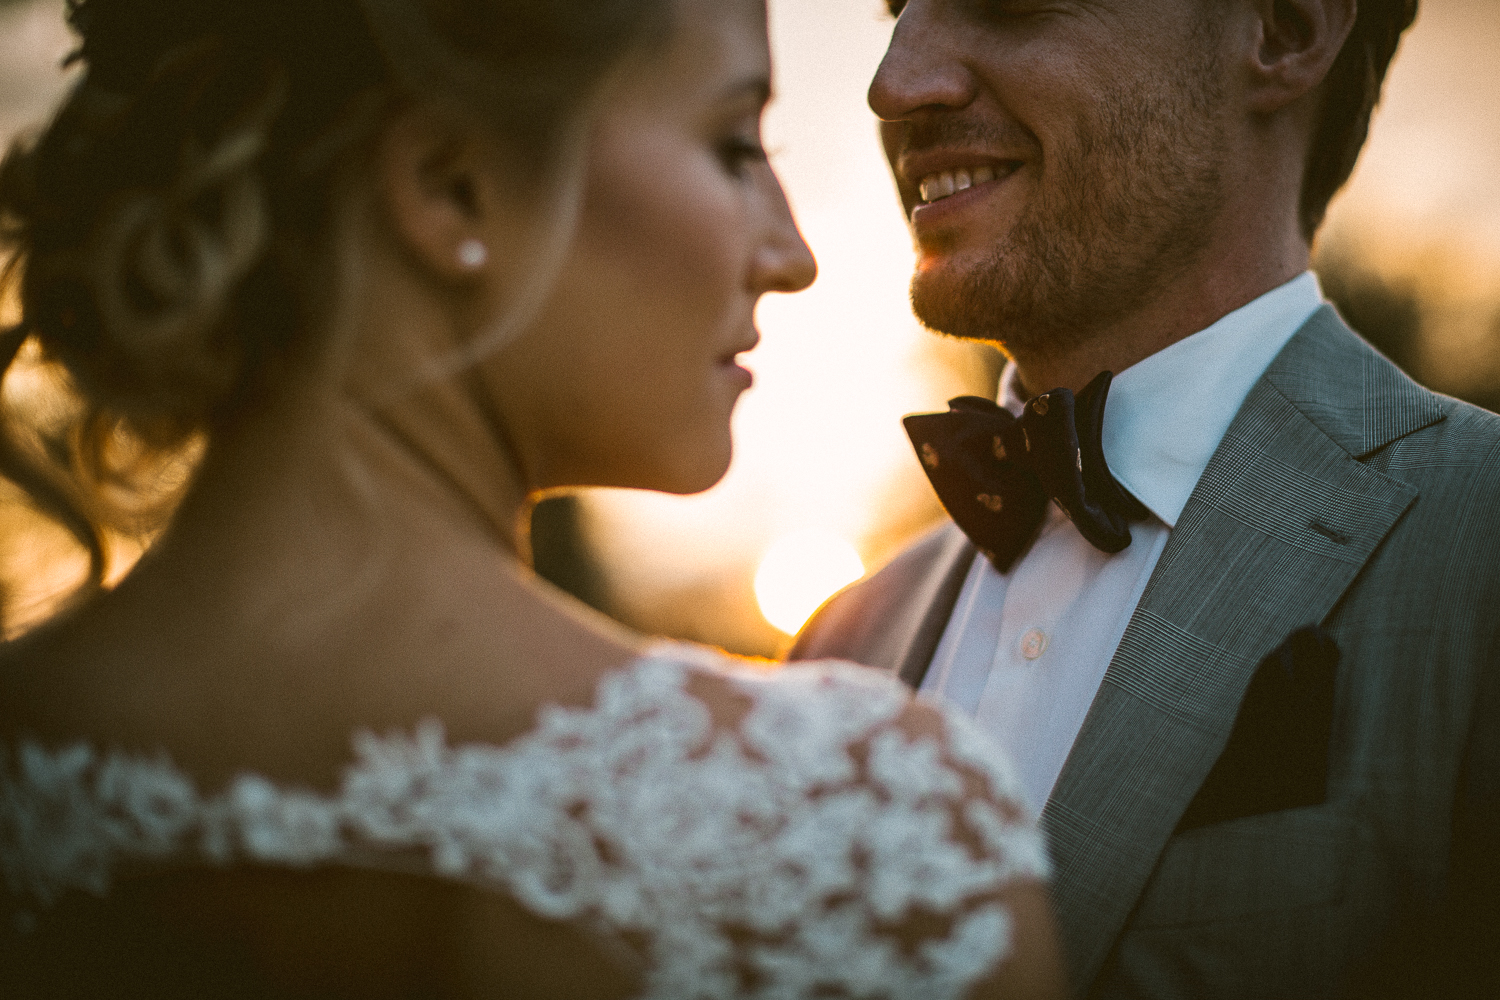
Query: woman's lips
point(730, 365)
point(739, 373)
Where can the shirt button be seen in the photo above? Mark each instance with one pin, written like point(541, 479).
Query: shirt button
point(1033, 643)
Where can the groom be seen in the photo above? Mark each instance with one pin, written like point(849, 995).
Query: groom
point(1239, 630)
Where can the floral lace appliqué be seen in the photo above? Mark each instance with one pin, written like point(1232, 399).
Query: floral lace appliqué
point(772, 860)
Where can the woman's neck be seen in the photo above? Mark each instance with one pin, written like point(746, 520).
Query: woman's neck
point(299, 498)
point(442, 441)
point(325, 573)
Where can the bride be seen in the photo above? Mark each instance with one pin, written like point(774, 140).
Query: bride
point(404, 265)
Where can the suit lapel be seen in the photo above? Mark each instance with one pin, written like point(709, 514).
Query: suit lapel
point(937, 599)
point(1283, 519)
point(895, 619)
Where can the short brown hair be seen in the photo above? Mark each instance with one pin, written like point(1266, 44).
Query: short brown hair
point(1351, 92)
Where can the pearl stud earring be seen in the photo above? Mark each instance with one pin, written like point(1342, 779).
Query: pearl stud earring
point(472, 254)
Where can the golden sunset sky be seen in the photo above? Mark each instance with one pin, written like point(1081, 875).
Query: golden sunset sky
point(820, 444)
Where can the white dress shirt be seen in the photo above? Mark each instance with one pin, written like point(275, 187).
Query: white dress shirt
point(1024, 652)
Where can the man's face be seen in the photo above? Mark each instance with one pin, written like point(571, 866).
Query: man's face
point(1060, 160)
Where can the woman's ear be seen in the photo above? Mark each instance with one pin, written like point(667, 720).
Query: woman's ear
point(1299, 41)
point(437, 193)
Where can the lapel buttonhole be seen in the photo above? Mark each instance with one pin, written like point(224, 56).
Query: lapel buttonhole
point(1333, 535)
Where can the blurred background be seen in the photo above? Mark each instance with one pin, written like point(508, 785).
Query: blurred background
point(824, 487)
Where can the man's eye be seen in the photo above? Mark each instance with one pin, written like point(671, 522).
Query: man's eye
point(999, 9)
point(895, 7)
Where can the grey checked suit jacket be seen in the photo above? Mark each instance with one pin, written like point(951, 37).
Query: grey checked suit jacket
point(1343, 494)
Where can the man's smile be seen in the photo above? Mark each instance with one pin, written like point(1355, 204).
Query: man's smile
point(938, 184)
point(941, 198)
point(946, 183)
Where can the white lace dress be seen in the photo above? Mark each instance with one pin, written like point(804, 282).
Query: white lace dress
point(790, 846)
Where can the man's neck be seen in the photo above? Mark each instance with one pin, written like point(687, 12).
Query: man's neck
point(1181, 308)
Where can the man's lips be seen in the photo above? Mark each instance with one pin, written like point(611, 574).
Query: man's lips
point(944, 208)
point(942, 184)
point(933, 175)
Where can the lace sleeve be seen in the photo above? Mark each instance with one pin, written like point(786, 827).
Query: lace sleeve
point(789, 850)
point(894, 816)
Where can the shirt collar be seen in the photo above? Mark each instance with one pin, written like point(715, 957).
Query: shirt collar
point(1166, 414)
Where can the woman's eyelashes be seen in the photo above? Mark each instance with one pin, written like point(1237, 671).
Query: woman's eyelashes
point(740, 152)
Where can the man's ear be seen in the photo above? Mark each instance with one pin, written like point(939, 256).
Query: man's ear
point(436, 191)
point(1299, 41)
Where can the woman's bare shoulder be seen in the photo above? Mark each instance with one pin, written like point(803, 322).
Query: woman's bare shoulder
point(220, 688)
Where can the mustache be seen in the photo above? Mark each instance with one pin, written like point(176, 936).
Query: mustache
point(916, 135)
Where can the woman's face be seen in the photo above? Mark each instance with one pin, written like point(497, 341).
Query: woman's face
point(629, 375)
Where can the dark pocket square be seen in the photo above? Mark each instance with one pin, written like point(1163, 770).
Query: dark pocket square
point(1277, 754)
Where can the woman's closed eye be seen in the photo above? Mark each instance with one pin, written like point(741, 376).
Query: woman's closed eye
point(734, 129)
point(738, 153)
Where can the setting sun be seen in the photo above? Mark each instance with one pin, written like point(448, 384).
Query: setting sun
point(800, 572)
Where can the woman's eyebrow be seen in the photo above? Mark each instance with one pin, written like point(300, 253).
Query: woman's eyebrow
point(758, 87)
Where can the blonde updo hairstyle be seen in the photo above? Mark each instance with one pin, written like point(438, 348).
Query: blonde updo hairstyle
point(169, 230)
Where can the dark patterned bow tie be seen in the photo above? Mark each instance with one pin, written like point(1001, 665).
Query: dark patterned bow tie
point(995, 472)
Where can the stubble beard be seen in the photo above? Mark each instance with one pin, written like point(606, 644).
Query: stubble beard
point(1131, 206)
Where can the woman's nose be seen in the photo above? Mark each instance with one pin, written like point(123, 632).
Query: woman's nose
point(784, 263)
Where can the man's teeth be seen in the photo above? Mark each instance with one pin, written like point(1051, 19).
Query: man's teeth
point(936, 187)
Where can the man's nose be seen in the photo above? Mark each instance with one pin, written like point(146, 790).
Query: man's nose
point(923, 67)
